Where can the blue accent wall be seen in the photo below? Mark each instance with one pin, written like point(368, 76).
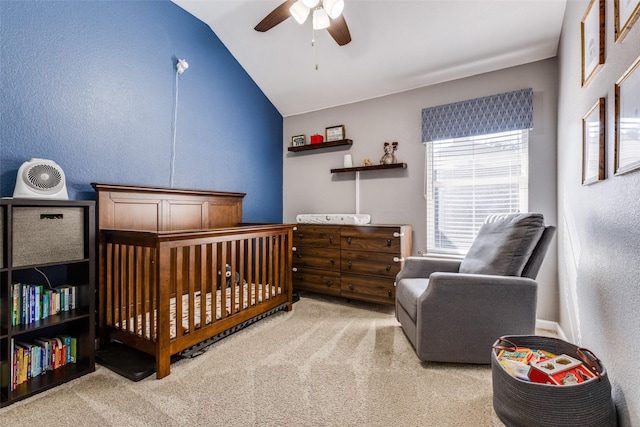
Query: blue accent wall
point(91, 85)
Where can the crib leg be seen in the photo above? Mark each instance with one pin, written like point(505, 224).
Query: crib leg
point(163, 366)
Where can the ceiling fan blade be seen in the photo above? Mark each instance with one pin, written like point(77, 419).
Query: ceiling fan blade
point(339, 30)
point(276, 16)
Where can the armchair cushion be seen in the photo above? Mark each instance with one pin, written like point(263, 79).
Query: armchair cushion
point(504, 244)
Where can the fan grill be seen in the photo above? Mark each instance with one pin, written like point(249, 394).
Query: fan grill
point(44, 177)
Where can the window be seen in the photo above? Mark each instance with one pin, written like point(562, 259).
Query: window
point(469, 178)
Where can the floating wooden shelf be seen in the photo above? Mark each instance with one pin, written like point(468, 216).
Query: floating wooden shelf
point(321, 145)
point(370, 168)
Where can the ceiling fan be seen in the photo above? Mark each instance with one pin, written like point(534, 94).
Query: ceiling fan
point(326, 14)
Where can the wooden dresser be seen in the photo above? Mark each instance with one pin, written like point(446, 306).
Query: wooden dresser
point(353, 261)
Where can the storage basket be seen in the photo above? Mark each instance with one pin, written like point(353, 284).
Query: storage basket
point(47, 235)
point(529, 404)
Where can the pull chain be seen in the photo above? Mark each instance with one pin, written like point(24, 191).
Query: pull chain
point(313, 44)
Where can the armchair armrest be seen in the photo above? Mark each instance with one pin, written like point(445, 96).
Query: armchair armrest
point(487, 286)
point(422, 267)
point(466, 313)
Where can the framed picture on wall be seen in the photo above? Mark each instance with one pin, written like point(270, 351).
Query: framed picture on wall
point(298, 140)
point(627, 121)
point(593, 136)
point(592, 38)
point(626, 13)
point(334, 133)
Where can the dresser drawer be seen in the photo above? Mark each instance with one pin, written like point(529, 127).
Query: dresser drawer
point(323, 236)
point(322, 258)
point(327, 282)
point(368, 288)
point(376, 239)
point(375, 263)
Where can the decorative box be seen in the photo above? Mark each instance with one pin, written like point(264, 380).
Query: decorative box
point(317, 139)
point(560, 370)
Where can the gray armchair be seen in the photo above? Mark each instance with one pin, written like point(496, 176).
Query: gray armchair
point(453, 311)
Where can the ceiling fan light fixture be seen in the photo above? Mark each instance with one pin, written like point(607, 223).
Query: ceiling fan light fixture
point(311, 3)
point(299, 11)
point(333, 7)
point(320, 19)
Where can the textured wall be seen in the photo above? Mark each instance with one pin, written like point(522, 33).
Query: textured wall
point(598, 237)
point(91, 85)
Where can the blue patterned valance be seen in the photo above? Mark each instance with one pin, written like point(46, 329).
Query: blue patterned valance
point(480, 116)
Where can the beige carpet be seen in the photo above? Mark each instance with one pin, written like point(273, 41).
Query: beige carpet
point(326, 363)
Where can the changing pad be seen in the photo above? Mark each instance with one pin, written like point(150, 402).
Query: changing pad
point(355, 219)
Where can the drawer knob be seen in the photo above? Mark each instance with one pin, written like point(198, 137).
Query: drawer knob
point(349, 240)
point(388, 267)
point(300, 278)
point(294, 269)
point(351, 286)
point(332, 261)
point(388, 242)
point(390, 294)
point(330, 239)
point(300, 235)
point(299, 255)
point(330, 282)
point(396, 234)
point(349, 263)
point(293, 248)
point(396, 259)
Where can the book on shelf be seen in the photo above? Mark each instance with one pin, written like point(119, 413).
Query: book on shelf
point(29, 360)
point(31, 303)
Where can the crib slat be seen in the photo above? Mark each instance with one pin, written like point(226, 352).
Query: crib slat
point(241, 268)
point(129, 291)
point(153, 293)
point(254, 274)
point(265, 268)
point(232, 281)
point(216, 281)
point(117, 315)
point(204, 286)
point(176, 280)
point(190, 275)
point(108, 305)
point(249, 264)
point(223, 281)
point(141, 285)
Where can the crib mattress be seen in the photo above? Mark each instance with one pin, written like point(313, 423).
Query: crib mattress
point(269, 292)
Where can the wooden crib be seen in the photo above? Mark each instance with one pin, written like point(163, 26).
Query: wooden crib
point(178, 268)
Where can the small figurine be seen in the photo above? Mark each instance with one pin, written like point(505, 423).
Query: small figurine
point(366, 162)
point(389, 157)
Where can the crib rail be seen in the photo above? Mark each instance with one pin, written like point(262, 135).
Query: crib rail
point(164, 292)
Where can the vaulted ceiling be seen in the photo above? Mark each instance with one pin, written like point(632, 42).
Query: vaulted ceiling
point(396, 45)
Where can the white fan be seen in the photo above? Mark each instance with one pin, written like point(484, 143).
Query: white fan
point(40, 179)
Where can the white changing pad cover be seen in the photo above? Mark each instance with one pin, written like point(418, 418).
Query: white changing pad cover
point(356, 219)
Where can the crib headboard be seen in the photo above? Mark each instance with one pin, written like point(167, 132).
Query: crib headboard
point(142, 208)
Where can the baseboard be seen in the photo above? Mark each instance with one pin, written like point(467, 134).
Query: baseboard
point(550, 325)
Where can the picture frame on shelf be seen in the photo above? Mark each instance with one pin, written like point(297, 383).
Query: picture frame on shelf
point(334, 133)
point(627, 121)
point(593, 143)
point(592, 38)
point(626, 13)
point(298, 140)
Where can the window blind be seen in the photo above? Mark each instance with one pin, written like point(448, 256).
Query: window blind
point(469, 178)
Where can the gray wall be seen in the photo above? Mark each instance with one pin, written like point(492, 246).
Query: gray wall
point(396, 196)
point(599, 242)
